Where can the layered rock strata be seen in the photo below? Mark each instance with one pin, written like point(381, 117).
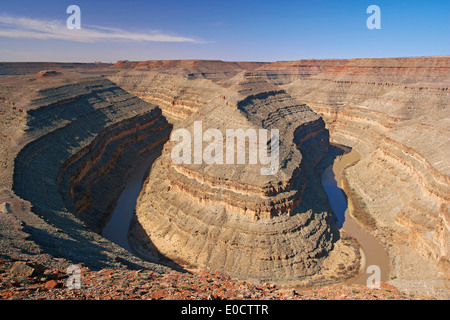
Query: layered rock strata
point(177, 96)
point(170, 84)
point(395, 112)
point(229, 217)
point(79, 137)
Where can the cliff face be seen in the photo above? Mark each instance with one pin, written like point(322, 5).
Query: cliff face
point(69, 139)
point(175, 94)
point(395, 113)
point(77, 137)
point(229, 217)
point(179, 87)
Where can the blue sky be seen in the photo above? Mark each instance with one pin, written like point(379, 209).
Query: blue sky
point(226, 29)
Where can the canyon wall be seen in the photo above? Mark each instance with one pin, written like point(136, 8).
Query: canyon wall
point(70, 136)
point(77, 137)
point(229, 217)
point(170, 85)
point(395, 113)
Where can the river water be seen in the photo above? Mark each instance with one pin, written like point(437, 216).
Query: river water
point(373, 252)
point(335, 195)
point(116, 229)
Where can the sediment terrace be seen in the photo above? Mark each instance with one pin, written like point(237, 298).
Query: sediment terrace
point(394, 112)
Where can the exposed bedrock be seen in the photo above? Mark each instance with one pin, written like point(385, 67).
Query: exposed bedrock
point(395, 112)
point(231, 218)
point(175, 94)
point(81, 140)
point(71, 139)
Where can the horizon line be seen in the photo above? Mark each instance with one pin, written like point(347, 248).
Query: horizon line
point(230, 61)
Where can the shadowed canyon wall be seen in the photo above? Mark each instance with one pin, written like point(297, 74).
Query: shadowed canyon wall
point(77, 143)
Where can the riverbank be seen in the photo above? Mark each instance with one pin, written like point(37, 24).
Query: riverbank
point(358, 223)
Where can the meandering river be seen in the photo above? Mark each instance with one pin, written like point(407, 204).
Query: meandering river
point(373, 252)
point(116, 229)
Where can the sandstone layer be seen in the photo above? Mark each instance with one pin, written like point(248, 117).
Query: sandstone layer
point(69, 141)
point(394, 112)
point(229, 217)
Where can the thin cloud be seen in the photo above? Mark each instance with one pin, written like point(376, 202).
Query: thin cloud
point(22, 27)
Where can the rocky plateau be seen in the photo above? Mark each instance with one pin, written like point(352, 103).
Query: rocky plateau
point(71, 133)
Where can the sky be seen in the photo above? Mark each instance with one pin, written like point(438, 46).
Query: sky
point(228, 30)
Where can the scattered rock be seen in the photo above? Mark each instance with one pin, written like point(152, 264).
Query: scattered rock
point(25, 269)
point(109, 284)
point(52, 284)
point(47, 73)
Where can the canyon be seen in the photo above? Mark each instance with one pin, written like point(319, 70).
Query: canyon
point(71, 134)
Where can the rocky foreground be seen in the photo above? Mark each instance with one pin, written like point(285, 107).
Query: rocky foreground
point(20, 280)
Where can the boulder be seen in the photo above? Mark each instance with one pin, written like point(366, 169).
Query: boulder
point(26, 269)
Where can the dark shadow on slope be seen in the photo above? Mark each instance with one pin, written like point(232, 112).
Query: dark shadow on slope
point(151, 254)
point(315, 198)
point(38, 178)
point(78, 251)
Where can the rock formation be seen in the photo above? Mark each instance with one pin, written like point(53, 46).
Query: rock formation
point(72, 140)
point(230, 217)
point(394, 112)
point(69, 139)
